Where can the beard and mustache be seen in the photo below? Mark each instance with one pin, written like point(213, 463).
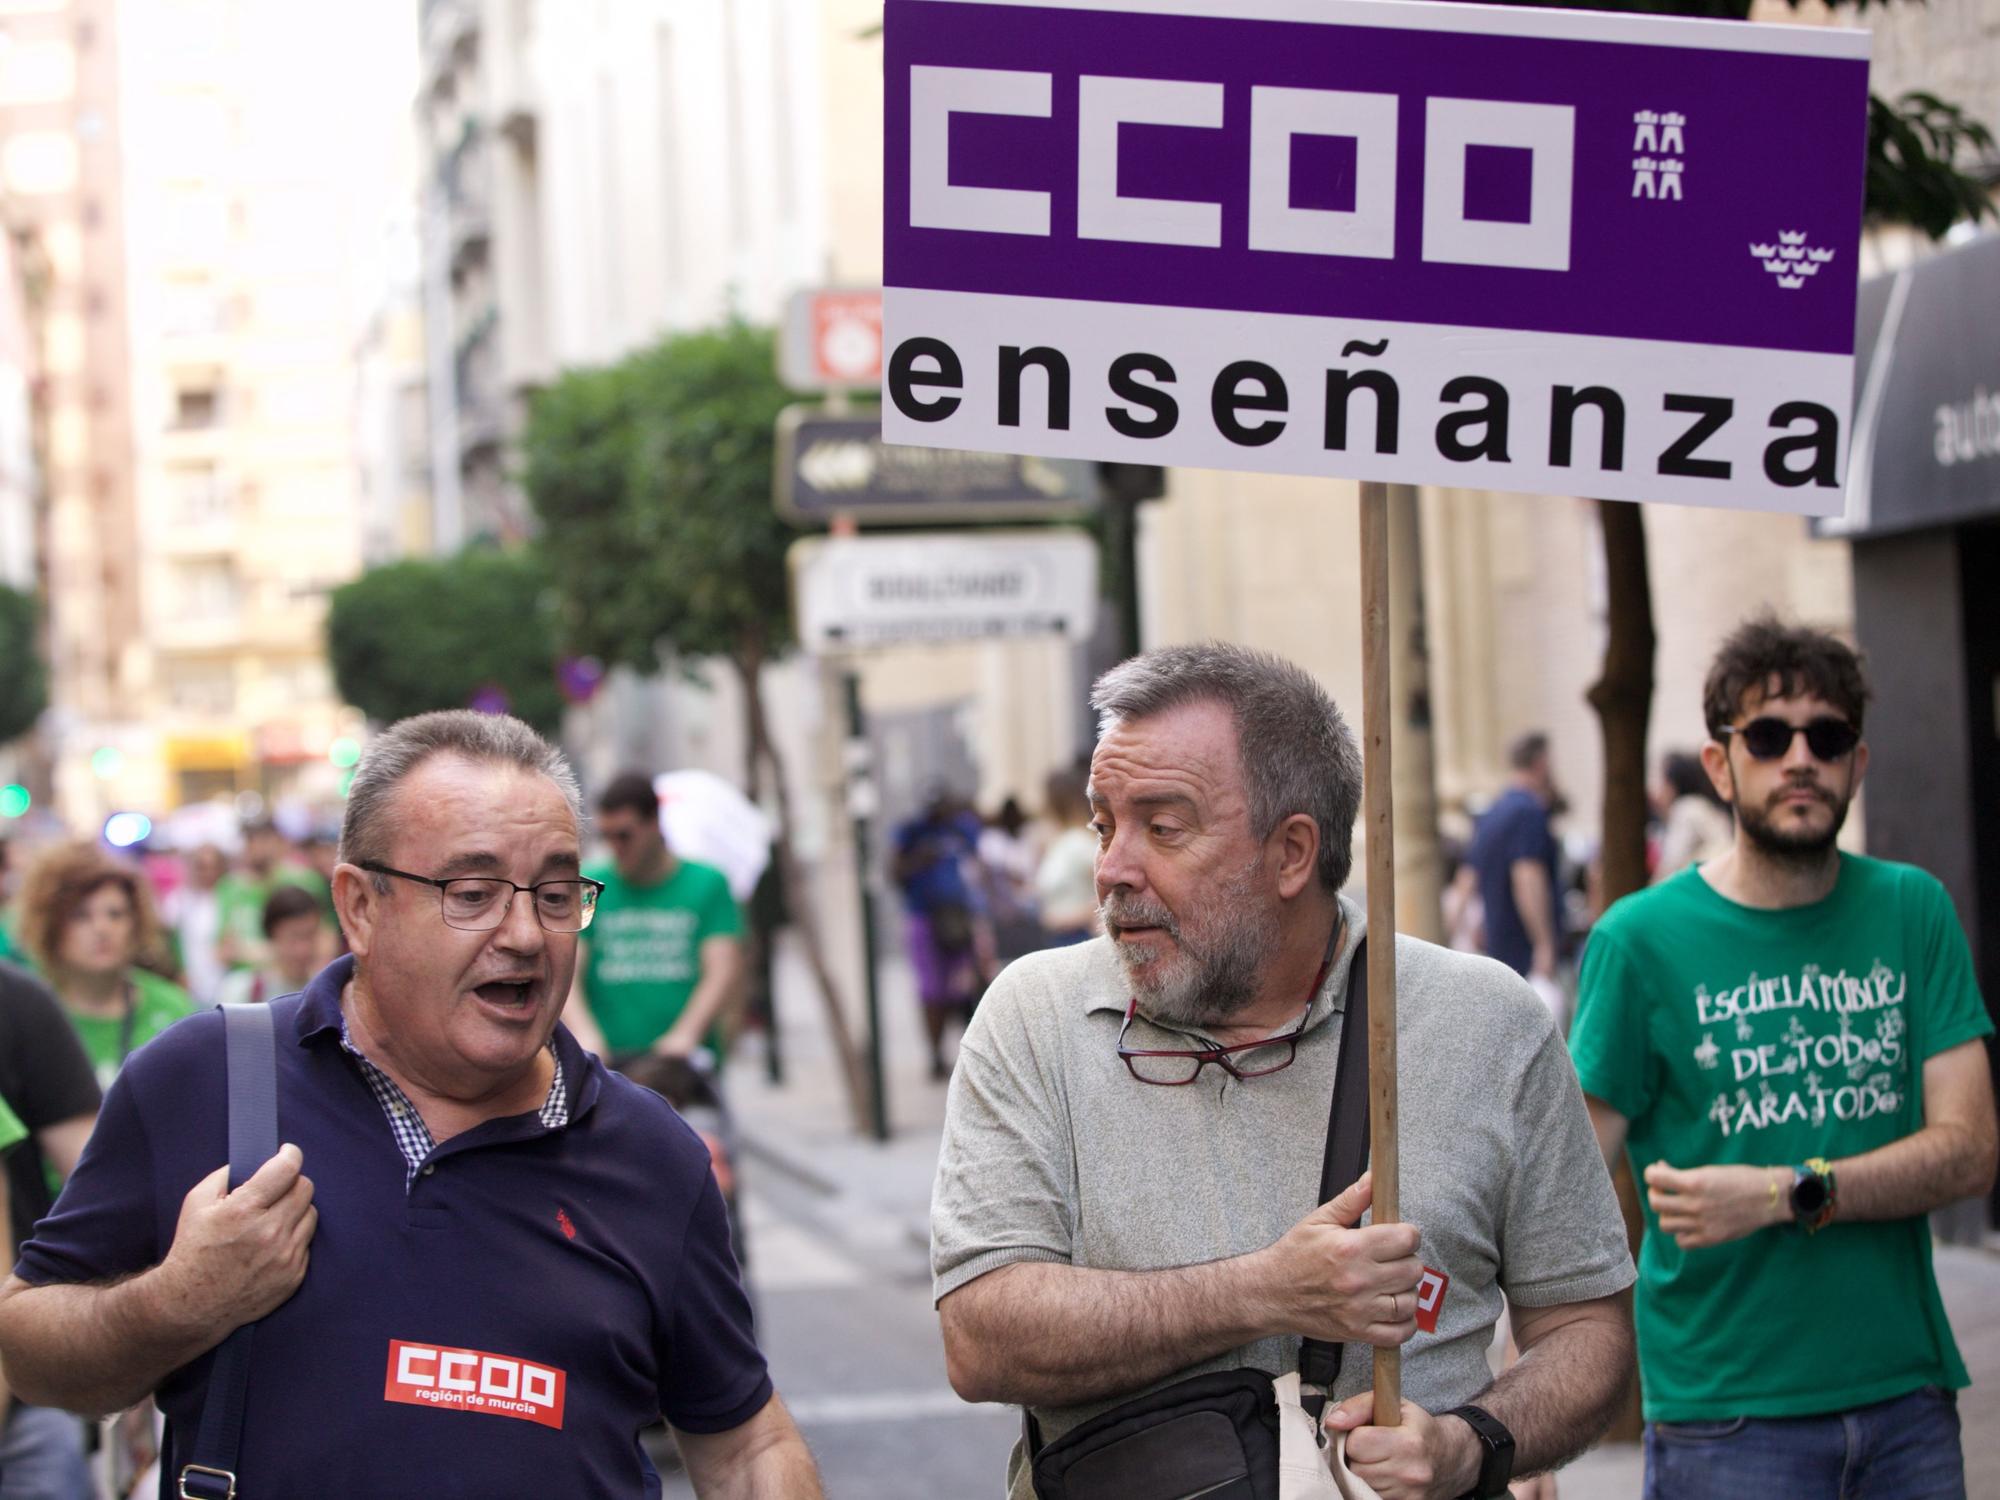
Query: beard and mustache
point(1792, 846)
point(1212, 968)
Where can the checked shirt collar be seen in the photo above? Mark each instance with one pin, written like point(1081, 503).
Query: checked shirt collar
point(413, 1136)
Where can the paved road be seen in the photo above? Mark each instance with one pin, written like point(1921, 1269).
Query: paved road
point(853, 1345)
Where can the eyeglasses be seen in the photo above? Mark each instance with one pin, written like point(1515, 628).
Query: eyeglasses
point(1173, 1067)
point(1767, 738)
point(480, 903)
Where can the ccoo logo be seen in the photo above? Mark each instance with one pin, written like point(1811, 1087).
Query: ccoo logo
point(473, 1380)
point(1430, 1299)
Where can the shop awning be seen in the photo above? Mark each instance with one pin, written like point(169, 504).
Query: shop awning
point(1926, 448)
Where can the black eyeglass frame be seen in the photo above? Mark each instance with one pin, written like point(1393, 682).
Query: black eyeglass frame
point(1818, 733)
point(1203, 1056)
point(588, 890)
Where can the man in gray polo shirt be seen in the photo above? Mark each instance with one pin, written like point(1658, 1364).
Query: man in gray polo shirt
point(1097, 1231)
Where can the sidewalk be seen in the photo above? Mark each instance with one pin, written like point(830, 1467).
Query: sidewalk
point(875, 1198)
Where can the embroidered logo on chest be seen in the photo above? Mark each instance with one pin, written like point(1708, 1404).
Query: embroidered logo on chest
point(473, 1380)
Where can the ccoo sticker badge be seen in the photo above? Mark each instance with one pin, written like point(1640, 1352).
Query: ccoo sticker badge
point(1430, 1299)
point(473, 1380)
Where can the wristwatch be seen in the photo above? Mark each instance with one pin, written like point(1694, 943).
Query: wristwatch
point(1814, 1195)
point(1496, 1443)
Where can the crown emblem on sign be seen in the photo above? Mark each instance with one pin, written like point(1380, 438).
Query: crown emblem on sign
point(1790, 260)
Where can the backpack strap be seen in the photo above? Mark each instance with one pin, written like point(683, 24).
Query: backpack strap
point(1346, 1157)
point(251, 1074)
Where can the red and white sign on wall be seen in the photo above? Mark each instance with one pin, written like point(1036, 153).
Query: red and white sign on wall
point(832, 339)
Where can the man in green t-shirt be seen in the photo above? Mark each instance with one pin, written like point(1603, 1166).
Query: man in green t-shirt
point(663, 960)
point(1787, 1039)
point(240, 895)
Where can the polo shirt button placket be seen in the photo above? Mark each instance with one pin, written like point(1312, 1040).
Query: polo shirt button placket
point(429, 1168)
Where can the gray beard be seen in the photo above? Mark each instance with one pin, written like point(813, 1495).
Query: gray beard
point(1214, 976)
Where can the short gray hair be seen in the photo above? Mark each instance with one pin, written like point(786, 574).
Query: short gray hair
point(407, 744)
point(1297, 752)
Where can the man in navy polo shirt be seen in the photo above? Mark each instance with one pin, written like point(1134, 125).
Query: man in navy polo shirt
point(505, 1261)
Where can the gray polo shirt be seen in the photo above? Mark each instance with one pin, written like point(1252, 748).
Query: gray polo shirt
point(1054, 1152)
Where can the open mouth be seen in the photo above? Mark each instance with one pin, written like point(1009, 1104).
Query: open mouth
point(509, 994)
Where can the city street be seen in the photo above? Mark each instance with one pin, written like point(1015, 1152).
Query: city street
point(838, 1261)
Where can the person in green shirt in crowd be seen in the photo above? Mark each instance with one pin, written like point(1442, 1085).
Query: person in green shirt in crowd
point(1788, 1041)
point(240, 895)
point(663, 961)
point(86, 921)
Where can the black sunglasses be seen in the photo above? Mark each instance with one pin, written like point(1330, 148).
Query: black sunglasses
point(1767, 738)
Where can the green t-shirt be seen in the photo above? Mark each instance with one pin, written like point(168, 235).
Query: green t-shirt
point(239, 902)
point(1729, 1035)
point(109, 1040)
point(644, 949)
point(12, 1131)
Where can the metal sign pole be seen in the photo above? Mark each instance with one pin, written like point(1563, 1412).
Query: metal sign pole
point(861, 809)
point(1378, 822)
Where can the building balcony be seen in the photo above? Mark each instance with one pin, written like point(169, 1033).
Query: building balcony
point(471, 232)
point(186, 443)
point(449, 30)
point(213, 631)
point(204, 536)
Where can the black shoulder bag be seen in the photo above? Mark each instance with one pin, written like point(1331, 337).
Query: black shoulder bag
point(1216, 1435)
point(251, 1066)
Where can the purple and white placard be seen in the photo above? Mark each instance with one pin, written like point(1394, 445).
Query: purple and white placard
point(1547, 251)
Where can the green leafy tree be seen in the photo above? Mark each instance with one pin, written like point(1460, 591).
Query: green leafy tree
point(426, 633)
point(24, 675)
point(652, 483)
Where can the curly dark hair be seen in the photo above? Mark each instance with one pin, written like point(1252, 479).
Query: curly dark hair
point(1771, 659)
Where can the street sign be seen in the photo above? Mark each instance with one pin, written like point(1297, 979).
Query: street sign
point(1519, 249)
point(902, 590)
point(832, 339)
point(835, 463)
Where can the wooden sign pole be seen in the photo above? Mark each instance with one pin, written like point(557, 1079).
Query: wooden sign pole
point(1378, 821)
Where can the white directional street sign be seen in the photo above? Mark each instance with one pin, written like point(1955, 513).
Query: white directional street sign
point(901, 590)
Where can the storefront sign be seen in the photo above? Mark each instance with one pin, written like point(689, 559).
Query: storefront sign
point(1927, 406)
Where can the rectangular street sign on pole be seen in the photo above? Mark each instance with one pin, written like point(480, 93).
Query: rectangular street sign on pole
point(915, 588)
point(831, 339)
point(836, 464)
point(1545, 251)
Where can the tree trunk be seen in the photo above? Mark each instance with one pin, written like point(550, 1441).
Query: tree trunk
point(764, 752)
point(1623, 699)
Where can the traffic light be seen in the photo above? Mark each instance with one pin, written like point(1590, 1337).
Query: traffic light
point(15, 801)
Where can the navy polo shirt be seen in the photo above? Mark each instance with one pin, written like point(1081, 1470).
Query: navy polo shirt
point(1515, 827)
point(505, 1325)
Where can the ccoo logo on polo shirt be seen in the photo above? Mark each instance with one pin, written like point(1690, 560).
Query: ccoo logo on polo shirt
point(473, 1380)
